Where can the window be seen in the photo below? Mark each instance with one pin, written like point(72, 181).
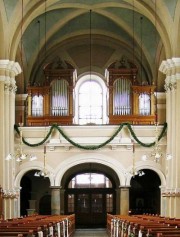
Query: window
point(90, 180)
point(109, 202)
point(90, 100)
point(71, 203)
point(90, 103)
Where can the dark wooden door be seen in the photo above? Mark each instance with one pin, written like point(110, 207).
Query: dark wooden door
point(89, 210)
point(90, 207)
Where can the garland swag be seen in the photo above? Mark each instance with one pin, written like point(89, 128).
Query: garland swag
point(93, 147)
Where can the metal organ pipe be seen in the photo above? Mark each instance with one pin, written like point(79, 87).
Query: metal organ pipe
point(122, 97)
point(60, 98)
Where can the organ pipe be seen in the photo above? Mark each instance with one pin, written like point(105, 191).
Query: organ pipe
point(122, 97)
point(60, 98)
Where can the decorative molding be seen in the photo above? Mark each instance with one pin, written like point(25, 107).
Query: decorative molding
point(171, 194)
point(171, 68)
point(170, 83)
point(92, 147)
point(10, 87)
point(10, 68)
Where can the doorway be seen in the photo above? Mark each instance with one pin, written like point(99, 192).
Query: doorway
point(90, 195)
point(145, 193)
point(90, 206)
point(35, 194)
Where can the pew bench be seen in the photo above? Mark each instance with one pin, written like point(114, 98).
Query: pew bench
point(165, 232)
point(167, 235)
point(18, 234)
point(118, 225)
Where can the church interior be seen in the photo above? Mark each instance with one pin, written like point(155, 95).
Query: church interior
point(90, 121)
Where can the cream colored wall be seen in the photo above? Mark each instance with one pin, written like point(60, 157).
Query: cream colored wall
point(61, 155)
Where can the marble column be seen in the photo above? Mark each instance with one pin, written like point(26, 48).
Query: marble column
point(124, 200)
point(8, 71)
point(171, 68)
point(55, 200)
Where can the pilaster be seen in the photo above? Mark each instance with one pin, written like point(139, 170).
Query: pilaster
point(55, 200)
point(124, 200)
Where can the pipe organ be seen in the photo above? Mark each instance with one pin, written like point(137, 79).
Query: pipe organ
point(53, 101)
point(129, 101)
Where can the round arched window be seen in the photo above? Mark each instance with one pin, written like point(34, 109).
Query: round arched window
point(90, 100)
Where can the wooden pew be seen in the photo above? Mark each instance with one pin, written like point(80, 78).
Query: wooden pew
point(140, 225)
point(18, 234)
point(168, 235)
point(47, 225)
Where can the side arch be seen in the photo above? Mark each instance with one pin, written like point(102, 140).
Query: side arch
point(36, 166)
point(148, 165)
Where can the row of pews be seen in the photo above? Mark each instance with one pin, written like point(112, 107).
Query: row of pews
point(142, 226)
point(39, 226)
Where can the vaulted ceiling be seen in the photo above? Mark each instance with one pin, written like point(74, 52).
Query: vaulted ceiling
point(74, 30)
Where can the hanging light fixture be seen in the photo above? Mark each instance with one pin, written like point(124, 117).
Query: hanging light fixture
point(44, 172)
point(20, 155)
point(90, 64)
point(141, 27)
point(156, 153)
point(134, 172)
point(45, 30)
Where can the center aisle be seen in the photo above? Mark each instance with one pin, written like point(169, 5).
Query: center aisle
point(90, 233)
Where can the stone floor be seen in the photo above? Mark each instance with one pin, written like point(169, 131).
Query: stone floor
point(90, 233)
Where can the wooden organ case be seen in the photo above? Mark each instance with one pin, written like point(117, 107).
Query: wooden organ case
point(52, 103)
point(128, 100)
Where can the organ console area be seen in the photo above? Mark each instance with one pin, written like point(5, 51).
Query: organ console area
point(52, 103)
point(128, 99)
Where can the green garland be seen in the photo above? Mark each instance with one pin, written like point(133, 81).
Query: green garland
point(92, 147)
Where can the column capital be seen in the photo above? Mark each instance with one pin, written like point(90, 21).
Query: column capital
point(171, 68)
point(9, 69)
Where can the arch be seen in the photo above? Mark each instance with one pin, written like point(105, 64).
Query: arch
point(90, 168)
point(148, 165)
point(33, 10)
point(36, 166)
point(145, 193)
point(85, 158)
point(176, 31)
point(2, 46)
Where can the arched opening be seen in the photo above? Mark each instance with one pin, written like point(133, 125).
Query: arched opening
point(35, 196)
point(90, 194)
point(145, 193)
point(90, 100)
